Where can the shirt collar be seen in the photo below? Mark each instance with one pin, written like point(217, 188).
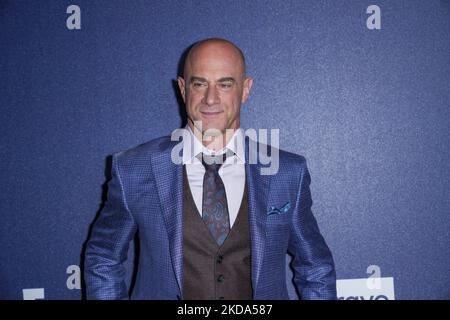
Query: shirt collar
point(192, 146)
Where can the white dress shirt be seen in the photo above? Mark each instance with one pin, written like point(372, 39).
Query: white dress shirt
point(232, 170)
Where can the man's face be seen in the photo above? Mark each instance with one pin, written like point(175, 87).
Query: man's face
point(214, 86)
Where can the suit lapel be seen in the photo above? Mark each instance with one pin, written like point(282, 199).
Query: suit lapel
point(169, 183)
point(258, 191)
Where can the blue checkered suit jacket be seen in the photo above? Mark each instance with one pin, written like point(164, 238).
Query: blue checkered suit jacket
point(145, 196)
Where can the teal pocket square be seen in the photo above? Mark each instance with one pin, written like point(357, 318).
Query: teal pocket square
point(283, 209)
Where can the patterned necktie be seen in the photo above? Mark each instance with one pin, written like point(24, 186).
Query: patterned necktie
point(214, 204)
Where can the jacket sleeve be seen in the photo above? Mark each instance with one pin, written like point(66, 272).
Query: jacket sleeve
point(314, 273)
point(107, 248)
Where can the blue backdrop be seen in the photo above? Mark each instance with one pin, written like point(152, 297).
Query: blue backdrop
point(368, 108)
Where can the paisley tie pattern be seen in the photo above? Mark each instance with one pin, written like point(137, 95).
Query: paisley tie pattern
point(214, 204)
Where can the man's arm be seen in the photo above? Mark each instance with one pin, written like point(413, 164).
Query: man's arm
point(108, 245)
point(314, 274)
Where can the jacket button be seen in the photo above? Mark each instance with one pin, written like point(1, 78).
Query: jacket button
point(219, 259)
point(220, 278)
point(221, 298)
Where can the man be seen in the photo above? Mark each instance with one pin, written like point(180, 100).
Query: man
point(211, 227)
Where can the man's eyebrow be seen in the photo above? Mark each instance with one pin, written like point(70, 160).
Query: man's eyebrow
point(194, 78)
point(226, 79)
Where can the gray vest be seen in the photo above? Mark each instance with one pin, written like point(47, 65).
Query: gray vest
point(211, 272)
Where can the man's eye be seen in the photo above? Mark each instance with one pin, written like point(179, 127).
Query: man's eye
point(226, 85)
point(198, 84)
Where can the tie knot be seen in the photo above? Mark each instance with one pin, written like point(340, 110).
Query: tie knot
point(212, 163)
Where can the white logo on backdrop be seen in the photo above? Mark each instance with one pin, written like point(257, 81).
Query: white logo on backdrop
point(33, 294)
point(372, 288)
point(73, 21)
point(74, 280)
point(374, 20)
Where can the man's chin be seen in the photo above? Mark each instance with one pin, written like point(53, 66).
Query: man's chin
point(211, 130)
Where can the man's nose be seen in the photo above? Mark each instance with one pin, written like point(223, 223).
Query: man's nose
point(211, 96)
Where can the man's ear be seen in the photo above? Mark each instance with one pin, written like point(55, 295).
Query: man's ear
point(248, 82)
point(182, 86)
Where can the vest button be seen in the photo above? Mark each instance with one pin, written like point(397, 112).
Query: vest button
point(220, 278)
point(219, 259)
point(221, 298)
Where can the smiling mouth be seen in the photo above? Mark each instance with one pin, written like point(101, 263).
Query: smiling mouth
point(210, 114)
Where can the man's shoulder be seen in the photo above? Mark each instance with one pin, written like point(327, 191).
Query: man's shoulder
point(291, 157)
point(287, 159)
point(291, 164)
point(284, 155)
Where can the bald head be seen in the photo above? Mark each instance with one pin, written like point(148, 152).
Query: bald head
point(214, 47)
